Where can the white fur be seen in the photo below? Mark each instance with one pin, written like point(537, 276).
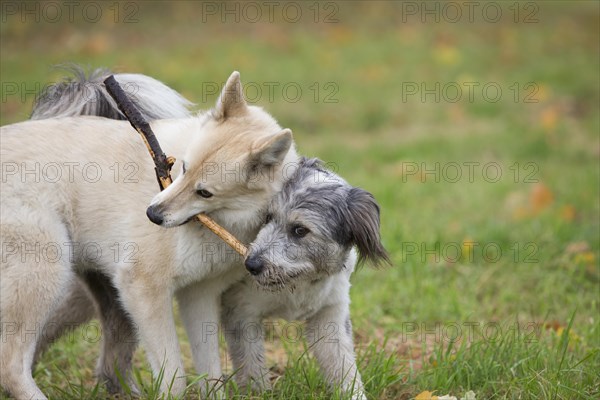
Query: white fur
point(159, 99)
point(324, 305)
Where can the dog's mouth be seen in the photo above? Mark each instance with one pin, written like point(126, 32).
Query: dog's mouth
point(269, 283)
point(270, 287)
point(276, 282)
point(188, 220)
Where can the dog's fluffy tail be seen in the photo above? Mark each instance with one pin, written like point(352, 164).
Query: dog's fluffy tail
point(87, 95)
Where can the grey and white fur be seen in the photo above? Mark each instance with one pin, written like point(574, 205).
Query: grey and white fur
point(300, 266)
point(87, 95)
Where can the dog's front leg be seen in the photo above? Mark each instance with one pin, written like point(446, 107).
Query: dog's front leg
point(151, 308)
point(245, 342)
point(199, 307)
point(329, 335)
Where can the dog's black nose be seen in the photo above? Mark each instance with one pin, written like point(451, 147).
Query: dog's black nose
point(154, 215)
point(254, 265)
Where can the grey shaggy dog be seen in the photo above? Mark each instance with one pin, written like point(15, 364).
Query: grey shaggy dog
point(316, 230)
point(300, 266)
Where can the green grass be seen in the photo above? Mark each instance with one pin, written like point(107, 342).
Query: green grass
point(520, 325)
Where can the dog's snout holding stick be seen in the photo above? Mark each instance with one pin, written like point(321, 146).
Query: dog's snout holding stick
point(162, 162)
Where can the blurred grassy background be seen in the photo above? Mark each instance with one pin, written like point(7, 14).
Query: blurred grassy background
point(356, 64)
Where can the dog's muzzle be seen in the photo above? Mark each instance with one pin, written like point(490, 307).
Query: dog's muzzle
point(254, 265)
point(155, 215)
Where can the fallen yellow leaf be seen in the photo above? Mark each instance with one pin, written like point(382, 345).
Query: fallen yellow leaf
point(585, 258)
point(540, 197)
point(544, 92)
point(446, 55)
point(549, 118)
point(426, 395)
point(567, 213)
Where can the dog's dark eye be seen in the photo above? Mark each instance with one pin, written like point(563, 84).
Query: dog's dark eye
point(299, 231)
point(268, 218)
point(183, 168)
point(204, 193)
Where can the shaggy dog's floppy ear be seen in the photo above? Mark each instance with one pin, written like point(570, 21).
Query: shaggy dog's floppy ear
point(364, 227)
point(231, 102)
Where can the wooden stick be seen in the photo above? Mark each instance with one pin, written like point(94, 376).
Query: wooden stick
point(162, 163)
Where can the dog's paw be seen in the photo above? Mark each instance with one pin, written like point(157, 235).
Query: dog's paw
point(359, 396)
point(253, 386)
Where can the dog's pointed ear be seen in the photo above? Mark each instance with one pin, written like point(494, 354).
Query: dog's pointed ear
point(231, 102)
point(272, 149)
point(364, 227)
